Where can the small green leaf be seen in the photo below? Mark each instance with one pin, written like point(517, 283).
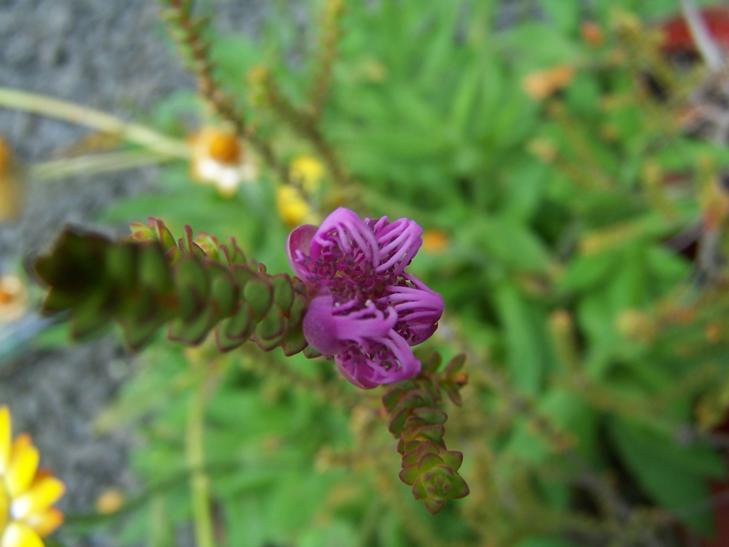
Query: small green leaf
point(258, 295)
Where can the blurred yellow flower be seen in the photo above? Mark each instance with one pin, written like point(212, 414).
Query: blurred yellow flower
point(308, 172)
point(434, 241)
point(26, 493)
point(13, 298)
point(292, 207)
point(544, 83)
point(109, 501)
point(219, 160)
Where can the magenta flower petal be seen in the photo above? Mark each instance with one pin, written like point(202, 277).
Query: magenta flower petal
point(297, 247)
point(370, 365)
point(397, 241)
point(344, 231)
point(418, 309)
point(366, 312)
point(328, 329)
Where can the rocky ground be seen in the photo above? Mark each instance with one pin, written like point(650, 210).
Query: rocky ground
point(111, 55)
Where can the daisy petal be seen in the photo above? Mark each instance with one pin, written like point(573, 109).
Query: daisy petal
point(45, 523)
point(5, 433)
point(22, 466)
point(43, 493)
point(18, 534)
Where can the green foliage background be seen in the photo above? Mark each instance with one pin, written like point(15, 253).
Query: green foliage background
point(579, 425)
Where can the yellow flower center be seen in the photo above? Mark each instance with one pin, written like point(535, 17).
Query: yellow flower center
point(224, 147)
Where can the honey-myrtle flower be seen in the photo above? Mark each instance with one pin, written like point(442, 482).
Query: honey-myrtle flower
point(26, 493)
point(366, 311)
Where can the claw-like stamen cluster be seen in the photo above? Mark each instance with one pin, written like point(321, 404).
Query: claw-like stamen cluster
point(366, 311)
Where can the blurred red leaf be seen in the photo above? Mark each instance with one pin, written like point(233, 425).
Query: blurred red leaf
point(677, 36)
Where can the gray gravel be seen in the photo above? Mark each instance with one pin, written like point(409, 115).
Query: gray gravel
point(110, 55)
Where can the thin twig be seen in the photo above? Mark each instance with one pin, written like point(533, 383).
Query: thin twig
point(322, 77)
point(306, 125)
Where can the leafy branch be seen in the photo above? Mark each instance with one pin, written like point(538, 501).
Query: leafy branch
point(190, 33)
point(328, 44)
point(417, 421)
point(195, 284)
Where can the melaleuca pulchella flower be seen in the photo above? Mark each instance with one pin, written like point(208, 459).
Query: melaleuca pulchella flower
point(366, 311)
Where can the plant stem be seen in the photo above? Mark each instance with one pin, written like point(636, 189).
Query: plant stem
point(306, 126)
point(81, 115)
point(330, 36)
point(93, 164)
point(199, 482)
point(190, 35)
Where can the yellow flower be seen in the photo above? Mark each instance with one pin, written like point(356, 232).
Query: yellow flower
point(219, 160)
point(292, 208)
point(26, 493)
point(544, 83)
point(109, 501)
point(13, 298)
point(307, 171)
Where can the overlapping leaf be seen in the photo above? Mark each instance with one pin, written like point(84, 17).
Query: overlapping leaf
point(194, 284)
point(417, 420)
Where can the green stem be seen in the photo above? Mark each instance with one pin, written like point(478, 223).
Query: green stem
point(199, 481)
point(81, 115)
point(94, 164)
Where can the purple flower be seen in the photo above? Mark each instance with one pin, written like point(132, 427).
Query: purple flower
point(366, 311)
